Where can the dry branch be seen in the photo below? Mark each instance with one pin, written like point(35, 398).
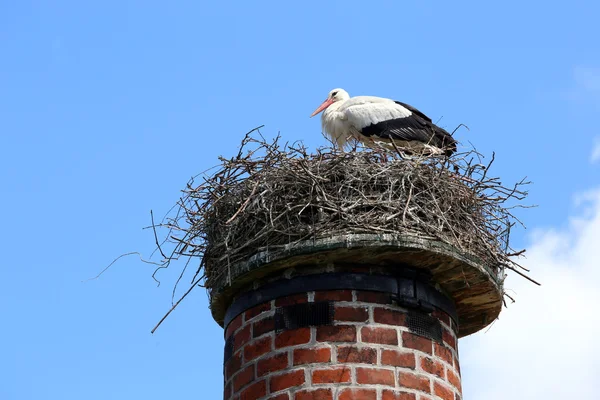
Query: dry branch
point(272, 194)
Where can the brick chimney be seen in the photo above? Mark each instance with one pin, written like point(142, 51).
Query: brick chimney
point(355, 317)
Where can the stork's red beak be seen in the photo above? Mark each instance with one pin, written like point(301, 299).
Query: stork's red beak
point(323, 106)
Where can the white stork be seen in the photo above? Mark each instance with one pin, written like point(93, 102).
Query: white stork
point(376, 122)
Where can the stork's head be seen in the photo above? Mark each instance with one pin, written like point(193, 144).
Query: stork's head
point(334, 96)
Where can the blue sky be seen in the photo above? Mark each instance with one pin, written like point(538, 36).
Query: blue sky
point(107, 108)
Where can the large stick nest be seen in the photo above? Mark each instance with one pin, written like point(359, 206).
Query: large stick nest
point(274, 194)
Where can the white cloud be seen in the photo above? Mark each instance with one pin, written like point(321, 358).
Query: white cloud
point(588, 78)
point(595, 157)
point(546, 345)
point(585, 88)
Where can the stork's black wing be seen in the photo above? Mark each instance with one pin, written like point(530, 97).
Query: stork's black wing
point(414, 110)
point(415, 126)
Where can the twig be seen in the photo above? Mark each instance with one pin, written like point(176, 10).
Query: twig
point(279, 193)
point(243, 207)
point(117, 259)
point(155, 236)
point(175, 305)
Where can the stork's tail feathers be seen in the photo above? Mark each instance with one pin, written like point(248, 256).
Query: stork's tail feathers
point(445, 141)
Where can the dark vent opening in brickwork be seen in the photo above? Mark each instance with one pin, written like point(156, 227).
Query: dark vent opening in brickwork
point(301, 315)
point(228, 348)
point(424, 325)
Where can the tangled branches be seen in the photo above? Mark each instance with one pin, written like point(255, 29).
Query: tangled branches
point(270, 195)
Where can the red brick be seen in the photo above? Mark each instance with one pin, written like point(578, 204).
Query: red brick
point(442, 316)
point(336, 333)
point(287, 380)
point(375, 376)
point(433, 367)
point(319, 394)
point(292, 338)
point(293, 299)
point(443, 352)
point(227, 391)
point(243, 378)
point(374, 297)
point(334, 295)
point(453, 378)
point(234, 325)
point(456, 365)
point(351, 314)
point(443, 391)
point(379, 335)
point(353, 354)
point(241, 337)
point(449, 339)
point(417, 342)
point(398, 359)
point(263, 326)
point(233, 365)
point(271, 364)
point(412, 381)
point(337, 375)
point(392, 395)
point(454, 327)
point(257, 348)
point(358, 394)
point(254, 391)
point(283, 396)
point(389, 317)
point(309, 356)
point(257, 310)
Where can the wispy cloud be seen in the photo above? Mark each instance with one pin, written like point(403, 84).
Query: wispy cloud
point(587, 78)
point(545, 345)
point(585, 85)
point(595, 156)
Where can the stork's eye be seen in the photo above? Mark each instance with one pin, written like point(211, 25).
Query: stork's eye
point(333, 94)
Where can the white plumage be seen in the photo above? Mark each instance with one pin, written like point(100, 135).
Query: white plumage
point(377, 121)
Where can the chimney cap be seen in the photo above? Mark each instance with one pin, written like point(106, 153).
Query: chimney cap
point(474, 286)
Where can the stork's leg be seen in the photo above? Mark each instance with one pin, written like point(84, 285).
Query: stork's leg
point(405, 154)
point(383, 155)
point(376, 147)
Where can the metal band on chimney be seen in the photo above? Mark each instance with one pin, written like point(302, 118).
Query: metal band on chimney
point(410, 289)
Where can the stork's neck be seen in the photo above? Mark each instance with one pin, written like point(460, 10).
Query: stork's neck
point(332, 121)
point(332, 118)
point(332, 110)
